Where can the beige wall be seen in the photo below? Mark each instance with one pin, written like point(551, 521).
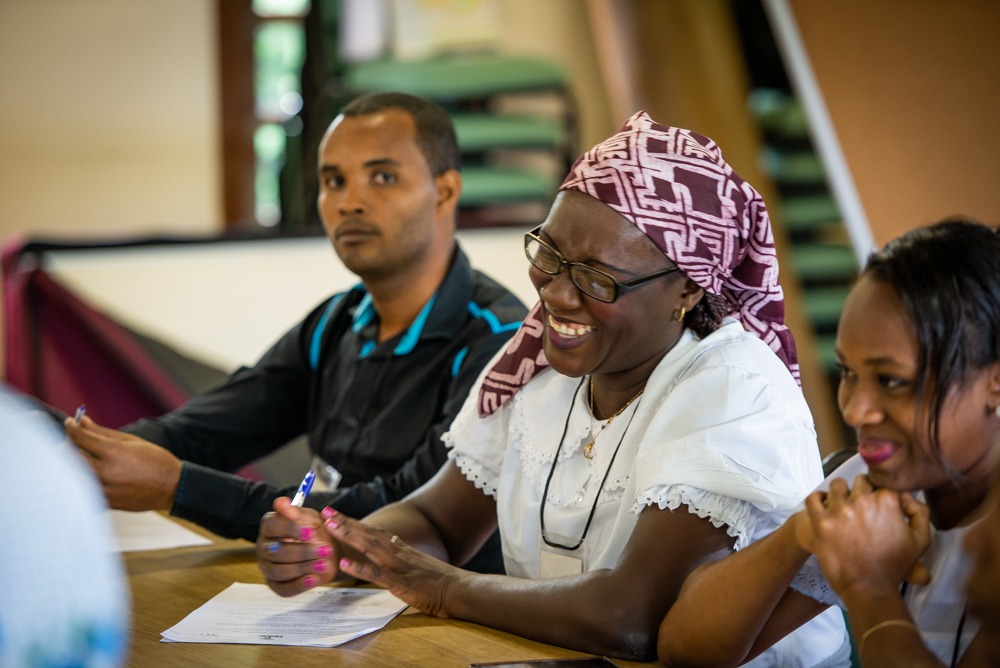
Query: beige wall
point(913, 92)
point(108, 117)
point(559, 29)
point(109, 109)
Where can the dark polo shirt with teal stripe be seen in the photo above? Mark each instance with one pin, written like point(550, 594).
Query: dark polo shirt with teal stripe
point(375, 411)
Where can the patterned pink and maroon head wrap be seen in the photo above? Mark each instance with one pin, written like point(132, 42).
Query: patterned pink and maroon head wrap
point(675, 186)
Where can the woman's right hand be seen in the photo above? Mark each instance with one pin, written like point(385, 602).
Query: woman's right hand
point(293, 552)
point(867, 540)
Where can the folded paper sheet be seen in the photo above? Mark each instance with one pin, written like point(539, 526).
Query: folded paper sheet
point(149, 530)
point(251, 614)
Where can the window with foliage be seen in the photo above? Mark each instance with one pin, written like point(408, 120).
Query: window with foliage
point(278, 53)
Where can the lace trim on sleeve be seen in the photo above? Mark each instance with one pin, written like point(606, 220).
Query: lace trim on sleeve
point(740, 518)
point(810, 582)
point(475, 472)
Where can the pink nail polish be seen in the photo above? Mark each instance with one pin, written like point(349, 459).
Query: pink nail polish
point(306, 533)
point(324, 551)
point(328, 512)
point(319, 566)
point(344, 563)
point(310, 580)
point(333, 524)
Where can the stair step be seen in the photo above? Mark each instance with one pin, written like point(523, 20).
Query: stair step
point(808, 213)
point(779, 113)
point(823, 305)
point(457, 77)
point(824, 262)
point(482, 132)
point(826, 347)
point(794, 168)
point(485, 186)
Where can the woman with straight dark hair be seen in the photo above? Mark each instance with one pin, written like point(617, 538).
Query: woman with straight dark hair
point(919, 350)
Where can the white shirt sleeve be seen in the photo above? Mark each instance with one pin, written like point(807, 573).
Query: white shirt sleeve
point(734, 445)
point(478, 445)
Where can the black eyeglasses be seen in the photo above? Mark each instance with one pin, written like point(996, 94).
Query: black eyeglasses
point(588, 280)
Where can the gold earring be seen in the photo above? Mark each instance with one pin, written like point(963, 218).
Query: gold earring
point(679, 313)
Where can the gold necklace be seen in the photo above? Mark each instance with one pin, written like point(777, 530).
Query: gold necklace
point(588, 449)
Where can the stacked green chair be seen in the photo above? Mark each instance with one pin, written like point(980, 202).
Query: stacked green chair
point(823, 259)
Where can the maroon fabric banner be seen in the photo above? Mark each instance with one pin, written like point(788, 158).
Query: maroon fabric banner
point(66, 353)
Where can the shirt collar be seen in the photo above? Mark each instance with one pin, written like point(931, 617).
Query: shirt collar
point(441, 316)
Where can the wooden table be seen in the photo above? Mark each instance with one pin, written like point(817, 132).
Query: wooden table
point(169, 584)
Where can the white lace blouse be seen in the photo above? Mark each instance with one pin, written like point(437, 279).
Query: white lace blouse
point(722, 429)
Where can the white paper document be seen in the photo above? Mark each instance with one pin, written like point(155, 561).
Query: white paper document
point(252, 614)
point(150, 530)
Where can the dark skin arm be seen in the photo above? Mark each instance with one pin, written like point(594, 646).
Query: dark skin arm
point(716, 624)
point(448, 517)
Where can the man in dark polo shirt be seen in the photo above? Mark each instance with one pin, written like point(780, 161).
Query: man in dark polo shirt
point(373, 376)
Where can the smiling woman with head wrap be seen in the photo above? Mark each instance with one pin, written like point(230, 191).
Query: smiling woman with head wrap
point(674, 185)
point(644, 419)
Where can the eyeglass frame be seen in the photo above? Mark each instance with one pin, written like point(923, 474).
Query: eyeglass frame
point(620, 287)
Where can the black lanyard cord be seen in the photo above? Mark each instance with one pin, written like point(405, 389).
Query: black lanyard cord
point(548, 480)
point(958, 637)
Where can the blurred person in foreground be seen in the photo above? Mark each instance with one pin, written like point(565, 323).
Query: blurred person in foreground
point(59, 606)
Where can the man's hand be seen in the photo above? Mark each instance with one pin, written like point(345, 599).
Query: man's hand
point(135, 474)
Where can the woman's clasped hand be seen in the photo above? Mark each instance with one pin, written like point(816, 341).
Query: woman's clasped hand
point(866, 538)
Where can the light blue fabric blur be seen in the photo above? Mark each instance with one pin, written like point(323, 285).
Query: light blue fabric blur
point(63, 595)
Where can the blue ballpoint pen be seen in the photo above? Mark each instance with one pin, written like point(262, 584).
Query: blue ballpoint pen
point(303, 491)
point(79, 413)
